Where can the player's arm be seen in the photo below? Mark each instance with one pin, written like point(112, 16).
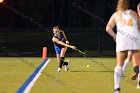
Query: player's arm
point(67, 42)
point(138, 11)
point(139, 24)
point(136, 17)
point(139, 20)
point(62, 43)
point(110, 26)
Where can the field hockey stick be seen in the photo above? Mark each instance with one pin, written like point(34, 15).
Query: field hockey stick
point(81, 52)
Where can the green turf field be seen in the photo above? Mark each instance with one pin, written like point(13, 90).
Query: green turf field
point(97, 78)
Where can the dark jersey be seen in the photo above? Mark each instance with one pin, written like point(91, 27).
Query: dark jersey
point(58, 47)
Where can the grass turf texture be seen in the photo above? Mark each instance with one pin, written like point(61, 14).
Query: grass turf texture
point(97, 78)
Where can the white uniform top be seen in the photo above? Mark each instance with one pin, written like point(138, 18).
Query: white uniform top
point(128, 34)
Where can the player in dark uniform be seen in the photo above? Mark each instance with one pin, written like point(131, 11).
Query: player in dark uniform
point(61, 44)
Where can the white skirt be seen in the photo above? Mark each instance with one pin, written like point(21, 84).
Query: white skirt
point(127, 42)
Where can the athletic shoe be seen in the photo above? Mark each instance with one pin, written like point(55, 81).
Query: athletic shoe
point(117, 90)
point(67, 66)
point(134, 76)
point(59, 69)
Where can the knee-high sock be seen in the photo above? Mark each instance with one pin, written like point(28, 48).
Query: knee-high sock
point(61, 62)
point(118, 72)
point(64, 63)
point(126, 63)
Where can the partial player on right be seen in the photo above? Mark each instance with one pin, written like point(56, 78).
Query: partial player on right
point(127, 39)
point(130, 53)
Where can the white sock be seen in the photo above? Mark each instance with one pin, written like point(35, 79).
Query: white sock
point(118, 72)
point(126, 63)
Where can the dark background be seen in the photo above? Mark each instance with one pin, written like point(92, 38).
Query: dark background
point(25, 26)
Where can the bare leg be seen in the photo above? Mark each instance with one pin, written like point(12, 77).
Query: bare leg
point(127, 61)
point(63, 51)
point(58, 57)
point(135, 65)
point(118, 71)
point(136, 59)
